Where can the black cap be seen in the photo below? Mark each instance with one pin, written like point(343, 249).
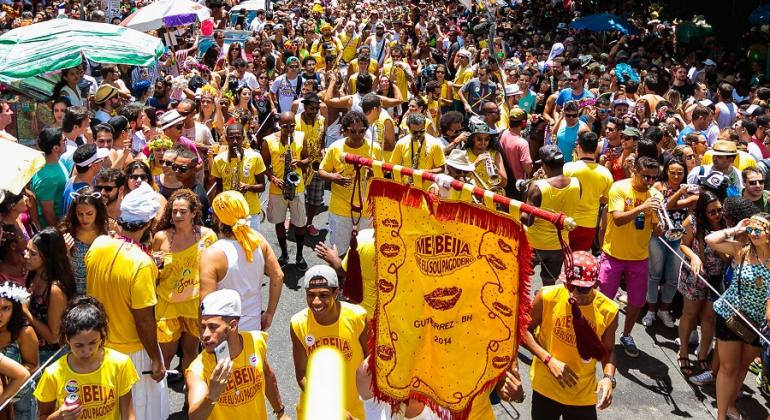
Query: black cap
point(549, 154)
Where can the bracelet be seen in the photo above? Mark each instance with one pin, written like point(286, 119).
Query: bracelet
point(279, 411)
point(211, 401)
point(547, 360)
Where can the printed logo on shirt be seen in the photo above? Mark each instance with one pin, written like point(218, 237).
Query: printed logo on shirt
point(341, 344)
point(309, 340)
point(564, 331)
point(71, 386)
point(98, 400)
point(243, 385)
point(253, 360)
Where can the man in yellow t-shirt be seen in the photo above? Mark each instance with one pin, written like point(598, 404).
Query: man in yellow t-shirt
point(122, 275)
point(233, 384)
point(329, 322)
point(398, 71)
point(463, 75)
point(595, 181)
point(631, 218)
point(274, 152)
point(334, 169)
point(418, 150)
point(241, 170)
point(350, 42)
point(563, 378)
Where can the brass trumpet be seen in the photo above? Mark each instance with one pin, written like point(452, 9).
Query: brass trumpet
point(670, 232)
point(477, 181)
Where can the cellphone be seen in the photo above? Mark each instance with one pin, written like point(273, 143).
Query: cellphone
point(222, 351)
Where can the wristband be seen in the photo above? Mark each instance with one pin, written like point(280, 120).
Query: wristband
point(279, 411)
point(547, 360)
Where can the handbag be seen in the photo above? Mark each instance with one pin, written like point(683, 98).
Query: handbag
point(736, 323)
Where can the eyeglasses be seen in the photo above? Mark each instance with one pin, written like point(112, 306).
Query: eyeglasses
point(180, 168)
point(166, 163)
point(756, 182)
point(571, 115)
point(135, 177)
point(105, 188)
point(715, 212)
point(754, 230)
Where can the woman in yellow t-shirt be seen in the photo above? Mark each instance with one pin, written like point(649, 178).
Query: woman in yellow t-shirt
point(417, 105)
point(179, 241)
point(91, 381)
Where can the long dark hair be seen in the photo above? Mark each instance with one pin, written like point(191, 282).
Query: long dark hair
point(138, 164)
point(701, 222)
point(17, 321)
point(56, 263)
point(85, 195)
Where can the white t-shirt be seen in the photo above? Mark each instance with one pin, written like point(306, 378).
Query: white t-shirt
point(249, 80)
point(285, 91)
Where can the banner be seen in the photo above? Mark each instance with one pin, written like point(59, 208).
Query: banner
point(453, 297)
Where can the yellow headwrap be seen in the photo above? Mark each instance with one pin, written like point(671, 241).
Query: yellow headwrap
point(232, 209)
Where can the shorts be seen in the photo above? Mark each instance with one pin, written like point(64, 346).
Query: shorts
point(544, 408)
point(636, 273)
point(171, 329)
point(551, 262)
point(339, 231)
point(314, 192)
point(277, 206)
point(726, 334)
point(582, 238)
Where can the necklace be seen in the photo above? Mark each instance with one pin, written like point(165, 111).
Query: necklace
point(131, 241)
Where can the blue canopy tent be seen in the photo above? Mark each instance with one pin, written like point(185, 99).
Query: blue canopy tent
point(603, 22)
point(760, 15)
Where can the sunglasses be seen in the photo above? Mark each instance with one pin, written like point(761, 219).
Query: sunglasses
point(418, 132)
point(440, 72)
point(757, 182)
point(136, 177)
point(105, 188)
point(581, 290)
point(180, 168)
point(649, 177)
point(166, 163)
point(184, 113)
point(76, 196)
point(571, 115)
point(690, 157)
point(292, 125)
point(262, 77)
point(715, 212)
point(754, 230)
point(178, 126)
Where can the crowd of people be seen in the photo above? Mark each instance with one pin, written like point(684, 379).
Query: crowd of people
point(140, 238)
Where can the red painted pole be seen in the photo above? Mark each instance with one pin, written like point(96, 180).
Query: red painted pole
point(561, 220)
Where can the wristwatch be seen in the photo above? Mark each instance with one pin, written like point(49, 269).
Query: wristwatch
point(612, 380)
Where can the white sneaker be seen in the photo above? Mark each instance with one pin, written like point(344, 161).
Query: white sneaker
point(648, 319)
point(666, 318)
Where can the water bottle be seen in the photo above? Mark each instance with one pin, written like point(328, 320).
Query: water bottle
point(639, 221)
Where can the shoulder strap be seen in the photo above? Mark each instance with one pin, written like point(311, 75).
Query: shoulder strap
point(740, 270)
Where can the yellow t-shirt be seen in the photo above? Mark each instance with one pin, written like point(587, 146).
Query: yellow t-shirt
point(404, 127)
point(349, 46)
point(315, 49)
point(178, 287)
point(463, 75)
point(446, 90)
point(342, 335)
point(557, 335)
point(366, 253)
point(122, 276)
point(311, 134)
point(278, 159)
point(99, 391)
point(504, 123)
point(400, 81)
point(741, 162)
point(433, 109)
point(379, 129)
point(373, 66)
point(627, 242)
point(244, 397)
point(542, 234)
point(431, 155)
point(332, 162)
point(595, 181)
point(233, 171)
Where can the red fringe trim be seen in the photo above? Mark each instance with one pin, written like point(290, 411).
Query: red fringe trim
point(483, 218)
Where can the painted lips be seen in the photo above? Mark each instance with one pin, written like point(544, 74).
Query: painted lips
point(443, 298)
point(385, 352)
point(385, 286)
point(390, 250)
point(501, 362)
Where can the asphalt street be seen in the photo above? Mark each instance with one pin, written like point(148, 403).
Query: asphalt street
point(650, 386)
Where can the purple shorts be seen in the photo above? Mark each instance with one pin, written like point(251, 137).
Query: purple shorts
point(636, 273)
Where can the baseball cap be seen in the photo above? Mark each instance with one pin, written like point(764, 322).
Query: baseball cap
point(225, 302)
point(517, 114)
point(713, 181)
point(585, 270)
point(631, 132)
point(709, 62)
point(549, 153)
point(320, 276)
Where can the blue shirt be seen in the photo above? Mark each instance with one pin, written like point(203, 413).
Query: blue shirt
point(568, 95)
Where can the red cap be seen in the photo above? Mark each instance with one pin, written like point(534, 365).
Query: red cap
point(585, 270)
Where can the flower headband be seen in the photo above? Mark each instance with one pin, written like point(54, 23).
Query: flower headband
point(762, 221)
point(11, 291)
point(160, 142)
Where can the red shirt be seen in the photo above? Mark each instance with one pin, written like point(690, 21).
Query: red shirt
point(515, 149)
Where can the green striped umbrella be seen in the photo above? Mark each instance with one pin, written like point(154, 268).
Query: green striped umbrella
point(62, 43)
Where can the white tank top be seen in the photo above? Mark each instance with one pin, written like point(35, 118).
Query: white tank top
point(356, 106)
point(246, 278)
point(727, 114)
